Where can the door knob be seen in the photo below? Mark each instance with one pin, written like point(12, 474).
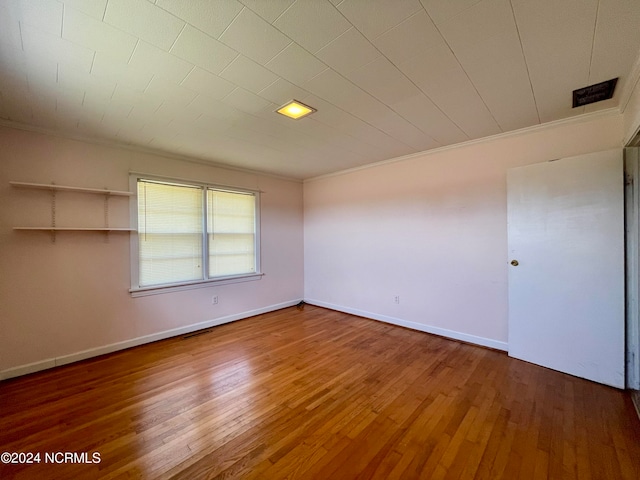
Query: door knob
point(514, 263)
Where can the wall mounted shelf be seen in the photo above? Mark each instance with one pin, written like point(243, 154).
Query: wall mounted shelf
point(77, 229)
point(53, 188)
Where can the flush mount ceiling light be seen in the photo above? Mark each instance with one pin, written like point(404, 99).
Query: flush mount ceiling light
point(295, 109)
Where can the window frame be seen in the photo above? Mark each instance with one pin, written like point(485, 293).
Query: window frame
point(136, 290)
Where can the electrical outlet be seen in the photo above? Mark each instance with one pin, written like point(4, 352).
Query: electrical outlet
point(214, 300)
point(396, 299)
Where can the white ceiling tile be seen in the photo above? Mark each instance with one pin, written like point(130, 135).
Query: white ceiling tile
point(43, 15)
point(334, 137)
point(409, 38)
point(94, 8)
point(281, 91)
point(247, 74)
point(604, 104)
point(38, 44)
point(102, 106)
point(254, 37)
point(616, 31)
point(113, 108)
point(206, 83)
point(96, 35)
point(157, 126)
point(556, 37)
point(246, 101)
point(166, 142)
point(339, 91)
point(67, 122)
point(426, 116)
point(508, 96)
point(140, 115)
point(384, 81)
point(162, 64)
point(128, 135)
point(125, 96)
point(478, 23)
point(10, 31)
point(74, 79)
point(253, 137)
point(348, 52)
point(295, 64)
point(88, 118)
point(554, 102)
point(43, 106)
point(170, 114)
point(212, 17)
point(165, 115)
point(298, 132)
point(485, 40)
point(404, 131)
point(441, 11)
point(312, 24)
point(216, 114)
point(170, 92)
point(90, 126)
point(108, 68)
point(145, 20)
point(375, 20)
point(269, 10)
point(160, 134)
point(110, 125)
point(127, 125)
point(68, 97)
point(202, 50)
point(450, 89)
point(38, 70)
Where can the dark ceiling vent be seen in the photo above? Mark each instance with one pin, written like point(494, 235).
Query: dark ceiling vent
point(594, 93)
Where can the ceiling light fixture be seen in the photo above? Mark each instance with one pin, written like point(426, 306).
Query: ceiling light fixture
point(295, 109)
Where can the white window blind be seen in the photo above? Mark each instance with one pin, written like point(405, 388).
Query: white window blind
point(232, 229)
point(193, 233)
point(169, 233)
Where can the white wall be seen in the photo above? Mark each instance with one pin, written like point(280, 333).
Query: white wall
point(57, 300)
point(431, 229)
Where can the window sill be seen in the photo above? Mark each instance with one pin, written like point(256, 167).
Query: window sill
point(178, 287)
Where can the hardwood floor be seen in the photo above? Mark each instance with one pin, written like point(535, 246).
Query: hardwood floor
point(316, 394)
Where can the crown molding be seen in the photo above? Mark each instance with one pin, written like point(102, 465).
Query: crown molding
point(632, 83)
point(586, 117)
point(139, 149)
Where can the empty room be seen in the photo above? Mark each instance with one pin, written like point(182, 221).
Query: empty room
point(319, 239)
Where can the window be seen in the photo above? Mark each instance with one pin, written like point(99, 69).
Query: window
point(189, 234)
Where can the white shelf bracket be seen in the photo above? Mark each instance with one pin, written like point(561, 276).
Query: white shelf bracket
point(53, 214)
point(106, 216)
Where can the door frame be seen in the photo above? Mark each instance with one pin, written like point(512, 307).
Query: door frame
point(632, 269)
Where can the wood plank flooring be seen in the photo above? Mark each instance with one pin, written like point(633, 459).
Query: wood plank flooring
point(316, 394)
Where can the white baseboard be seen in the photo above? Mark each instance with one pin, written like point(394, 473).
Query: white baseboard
point(134, 342)
point(443, 332)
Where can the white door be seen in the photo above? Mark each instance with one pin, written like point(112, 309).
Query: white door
point(566, 293)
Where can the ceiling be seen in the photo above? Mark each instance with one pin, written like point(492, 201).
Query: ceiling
point(202, 79)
